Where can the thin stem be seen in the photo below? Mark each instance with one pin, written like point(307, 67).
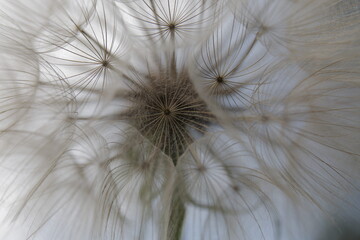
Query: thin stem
point(177, 216)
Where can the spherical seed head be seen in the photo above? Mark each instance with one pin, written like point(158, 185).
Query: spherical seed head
point(168, 111)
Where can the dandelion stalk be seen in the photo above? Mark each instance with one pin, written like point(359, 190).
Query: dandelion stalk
point(177, 216)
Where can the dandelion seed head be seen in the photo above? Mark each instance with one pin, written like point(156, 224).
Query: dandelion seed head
point(166, 110)
point(176, 119)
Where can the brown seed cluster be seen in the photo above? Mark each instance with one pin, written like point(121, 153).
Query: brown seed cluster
point(169, 112)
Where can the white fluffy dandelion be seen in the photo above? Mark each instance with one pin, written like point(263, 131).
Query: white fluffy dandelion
point(178, 119)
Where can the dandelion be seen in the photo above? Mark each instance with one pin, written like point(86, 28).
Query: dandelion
point(159, 119)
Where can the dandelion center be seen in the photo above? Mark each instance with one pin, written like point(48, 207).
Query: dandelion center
point(168, 111)
point(220, 79)
point(172, 26)
point(105, 63)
